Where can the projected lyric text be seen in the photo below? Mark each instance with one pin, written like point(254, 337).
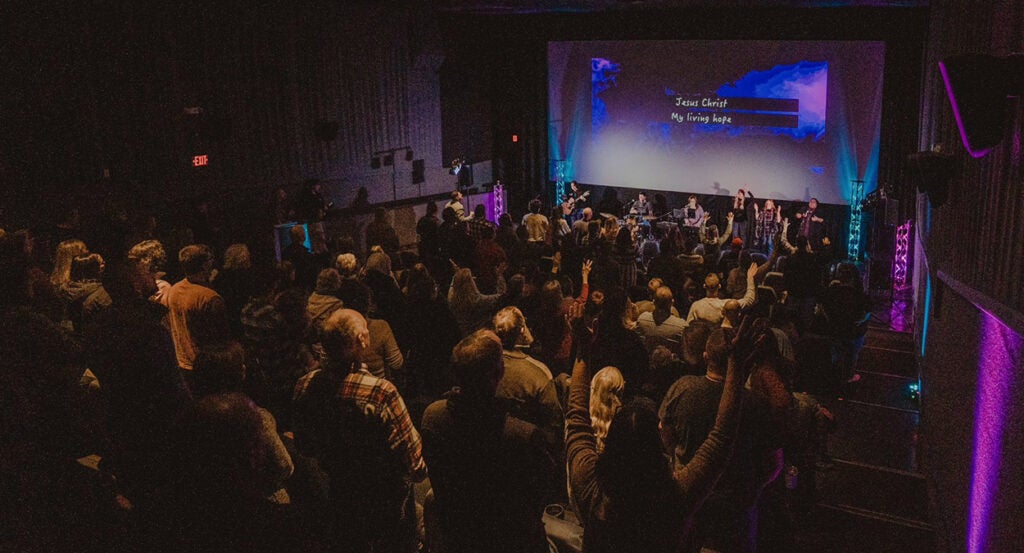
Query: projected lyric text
point(736, 111)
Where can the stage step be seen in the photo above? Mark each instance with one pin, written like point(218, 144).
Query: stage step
point(887, 361)
point(875, 435)
point(847, 529)
point(899, 494)
point(883, 389)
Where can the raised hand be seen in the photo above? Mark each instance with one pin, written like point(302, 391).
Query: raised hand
point(730, 215)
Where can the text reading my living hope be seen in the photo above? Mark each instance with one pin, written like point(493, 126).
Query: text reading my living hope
point(736, 111)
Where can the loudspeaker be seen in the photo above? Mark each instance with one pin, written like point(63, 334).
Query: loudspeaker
point(418, 170)
point(977, 86)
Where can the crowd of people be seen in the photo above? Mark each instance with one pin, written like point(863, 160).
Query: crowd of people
point(450, 399)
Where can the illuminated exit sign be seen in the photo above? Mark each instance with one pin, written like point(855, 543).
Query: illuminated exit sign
point(200, 161)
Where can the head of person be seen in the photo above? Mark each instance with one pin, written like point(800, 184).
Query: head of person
point(535, 205)
point(716, 353)
point(695, 338)
point(297, 234)
point(66, 252)
point(449, 215)
point(237, 257)
point(813, 204)
point(455, 196)
point(614, 309)
point(378, 261)
point(510, 326)
point(624, 240)
point(610, 228)
point(769, 205)
point(741, 193)
point(550, 296)
point(196, 260)
point(712, 285)
point(420, 286)
point(653, 285)
point(606, 390)
point(477, 364)
point(219, 368)
point(87, 267)
point(345, 337)
point(642, 196)
point(463, 286)
point(505, 221)
point(691, 201)
point(150, 254)
point(736, 244)
point(431, 208)
point(575, 187)
point(663, 300)
point(588, 213)
point(328, 282)
point(347, 265)
point(480, 212)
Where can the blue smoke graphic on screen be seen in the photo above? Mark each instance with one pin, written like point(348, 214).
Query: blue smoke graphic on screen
point(806, 81)
point(602, 77)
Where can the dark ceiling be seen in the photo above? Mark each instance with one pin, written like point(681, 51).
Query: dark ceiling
point(589, 6)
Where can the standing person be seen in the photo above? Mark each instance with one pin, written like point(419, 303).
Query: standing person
point(490, 471)
point(358, 428)
point(741, 214)
point(768, 222)
point(310, 206)
point(455, 203)
point(812, 225)
point(478, 222)
point(427, 231)
point(536, 223)
point(693, 217)
point(196, 313)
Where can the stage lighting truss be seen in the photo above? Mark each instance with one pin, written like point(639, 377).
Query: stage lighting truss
point(900, 257)
point(499, 199)
point(856, 219)
point(559, 180)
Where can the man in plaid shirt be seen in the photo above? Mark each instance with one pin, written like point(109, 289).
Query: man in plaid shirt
point(358, 428)
point(479, 222)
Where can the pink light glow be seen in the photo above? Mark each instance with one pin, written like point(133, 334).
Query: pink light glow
point(998, 355)
point(956, 115)
point(900, 262)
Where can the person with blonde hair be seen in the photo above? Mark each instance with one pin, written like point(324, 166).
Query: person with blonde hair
point(66, 253)
point(471, 308)
point(605, 400)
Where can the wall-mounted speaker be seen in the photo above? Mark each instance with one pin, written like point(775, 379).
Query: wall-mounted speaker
point(977, 86)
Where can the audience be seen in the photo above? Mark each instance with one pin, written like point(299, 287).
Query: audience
point(203, 439)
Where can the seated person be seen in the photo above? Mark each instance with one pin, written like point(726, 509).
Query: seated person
point(661, 323)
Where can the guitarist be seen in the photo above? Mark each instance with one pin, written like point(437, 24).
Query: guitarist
point(571, 198)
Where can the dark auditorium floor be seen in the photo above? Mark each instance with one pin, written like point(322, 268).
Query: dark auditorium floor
point(872, 498)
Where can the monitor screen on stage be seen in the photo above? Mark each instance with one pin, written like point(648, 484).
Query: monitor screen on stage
point(788, 120)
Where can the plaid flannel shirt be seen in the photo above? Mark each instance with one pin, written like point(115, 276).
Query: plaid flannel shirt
point(377, 395)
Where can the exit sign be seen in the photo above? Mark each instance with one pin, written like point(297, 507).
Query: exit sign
point(200, 161)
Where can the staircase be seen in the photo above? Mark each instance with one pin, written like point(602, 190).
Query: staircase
point(872, 499)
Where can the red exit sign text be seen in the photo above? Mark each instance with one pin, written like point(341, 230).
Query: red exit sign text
point(200, 161)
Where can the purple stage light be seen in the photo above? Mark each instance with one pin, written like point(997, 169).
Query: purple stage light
point(498, 197)
point(998, 355)
point(900, 262)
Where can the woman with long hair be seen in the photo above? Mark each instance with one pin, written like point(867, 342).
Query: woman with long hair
point(605, 401)
point(628, 497)
point(66, 252)
point(471, 308)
